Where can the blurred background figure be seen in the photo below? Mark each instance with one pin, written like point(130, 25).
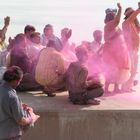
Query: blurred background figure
point(67, 51)
point(49, 35)
point(34, 48)
point(96, 44)
point(131, 29)
point(28, 30)
point(18, 54)
point(95, 49)
point(3, 45)
point(115, 53)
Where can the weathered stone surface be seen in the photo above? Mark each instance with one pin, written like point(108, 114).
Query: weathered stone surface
point(116, 118)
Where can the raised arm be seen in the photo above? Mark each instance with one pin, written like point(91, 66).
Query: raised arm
point(133, 16)
point(4, 29)
point(118, 16)
point(114, 23)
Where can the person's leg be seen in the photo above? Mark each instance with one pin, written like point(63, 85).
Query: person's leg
point(116, 88)
point(49, 90)
point(106, 87)
point(17, 138)
point(136, 65)
point(28, 83)
point(93, 102)
point(130, 83)
point(94, 93)
point(60, 85)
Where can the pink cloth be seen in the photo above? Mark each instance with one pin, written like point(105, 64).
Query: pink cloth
point(115, 55)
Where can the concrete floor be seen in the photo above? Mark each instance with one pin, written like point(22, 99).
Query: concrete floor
point(116, 118)
point(122, 101)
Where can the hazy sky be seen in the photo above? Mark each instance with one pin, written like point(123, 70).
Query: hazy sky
point(83, 16)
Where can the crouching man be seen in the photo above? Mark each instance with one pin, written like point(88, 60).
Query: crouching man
point(81, 89)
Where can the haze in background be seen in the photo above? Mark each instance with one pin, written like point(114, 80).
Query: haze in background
point(83, 16)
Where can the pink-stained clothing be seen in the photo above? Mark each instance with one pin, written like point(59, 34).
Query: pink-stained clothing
point(58, 43)
point(68, 54)
point(132, 38)
point(116, 57)
point(44, 40)
point(131, 34)
point(95, 46)
point(33, 51)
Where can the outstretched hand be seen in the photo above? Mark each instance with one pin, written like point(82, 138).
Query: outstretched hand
point(139, 5)
point(119, 5)
point(10, 40)
point(6, 21)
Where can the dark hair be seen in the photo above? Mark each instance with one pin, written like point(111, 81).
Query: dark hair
point(13, 73)
point(136, 21)
point(34, 34)
point(29, 28)
point(109, 17)
point(127, 9)
point(48, 26)
point(67, 32)
point(80, 50)
point(96, 32)
point(110, 10)
point(51, 43)
point(19, 38)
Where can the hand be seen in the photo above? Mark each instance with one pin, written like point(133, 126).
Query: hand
point(119, 5)
point(10, 40)
point(139, 5)
point(6, 21)
point(26, 107)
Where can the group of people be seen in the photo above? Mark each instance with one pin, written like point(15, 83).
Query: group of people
point(121, 48)
point(49, 63)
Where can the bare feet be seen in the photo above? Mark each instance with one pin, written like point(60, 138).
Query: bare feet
point(117, 91)
point(107, 92)
point(93, 102)
point(128, 90)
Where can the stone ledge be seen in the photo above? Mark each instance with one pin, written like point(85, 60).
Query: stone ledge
point(116, 118)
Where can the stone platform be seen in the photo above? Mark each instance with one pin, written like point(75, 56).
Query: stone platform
point(116, 118)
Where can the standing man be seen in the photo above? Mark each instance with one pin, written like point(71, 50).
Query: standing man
point(131, 29)
point(11, 110)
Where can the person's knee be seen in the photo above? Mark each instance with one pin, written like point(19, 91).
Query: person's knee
point(101, 91)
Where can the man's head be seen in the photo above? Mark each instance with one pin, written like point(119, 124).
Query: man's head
point(66, 33)
point(97, 34)
point(13, 76)
point(51, 44)
point(20, 40)
point(128, 12)
point(48, 30)
point(28, 30)
point(35, 37)
point(81, 54)
point(110, 14)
